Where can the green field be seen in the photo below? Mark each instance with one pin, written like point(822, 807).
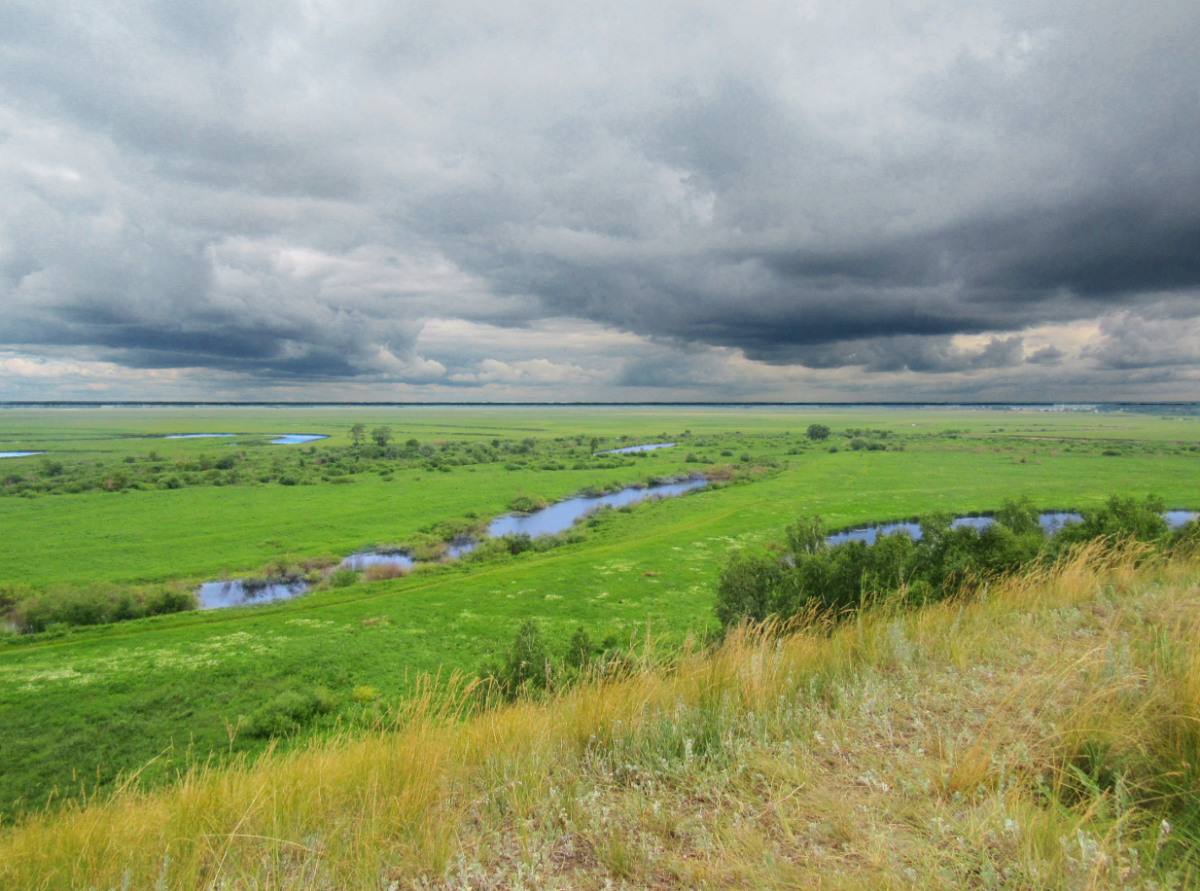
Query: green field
point(79, 707)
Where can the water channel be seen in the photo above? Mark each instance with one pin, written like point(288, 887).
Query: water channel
point(554, 518)
point(560, 516)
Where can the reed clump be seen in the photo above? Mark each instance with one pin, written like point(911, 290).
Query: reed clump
point(1040, 733)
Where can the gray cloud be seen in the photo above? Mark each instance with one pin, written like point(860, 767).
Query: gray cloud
point(292, 192)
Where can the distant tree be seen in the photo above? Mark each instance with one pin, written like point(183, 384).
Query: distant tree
point(382, 436)
point(412, 444)
point(357, 433)
point(818, 431)
point(595, 445)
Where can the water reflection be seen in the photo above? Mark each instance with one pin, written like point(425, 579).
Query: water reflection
point(558, 517)
point(19, 454)
point(297, 438)
point(215, 595)
point(639, 448)
point(1051, 522)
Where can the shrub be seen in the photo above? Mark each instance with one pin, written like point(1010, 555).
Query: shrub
point(579, 649)
point(524, 667)
point(817, 431)
point(816, 578)
point(526, 503)
point(37, 612)
point(343, 577)
point(754, 587)
point(517, 544)
point(1121, 517)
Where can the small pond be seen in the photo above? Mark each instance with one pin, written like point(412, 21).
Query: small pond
point(641, 448)
point(19, 454)
point(215, 595)
point(297, 438)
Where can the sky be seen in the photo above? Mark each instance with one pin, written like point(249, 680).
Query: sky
point(962, 200)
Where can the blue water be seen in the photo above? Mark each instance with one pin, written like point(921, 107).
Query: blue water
point(370, 558)
point(19, 454)
point(215, 595)
point(297, 438)
point(641, 448)
point(454, 550)
point(1051, 521)
point(558, 517)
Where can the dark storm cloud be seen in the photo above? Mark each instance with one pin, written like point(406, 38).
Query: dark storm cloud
point(290, 190)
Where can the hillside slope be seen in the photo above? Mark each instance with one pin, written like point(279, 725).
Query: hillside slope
point(1043, 735)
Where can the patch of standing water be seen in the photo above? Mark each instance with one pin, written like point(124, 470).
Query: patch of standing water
point(298, 438)
point(19, 454)
point(641, 448)
point(558, 517)
point(1176, 518)
point(372, 558)
point(215, 595)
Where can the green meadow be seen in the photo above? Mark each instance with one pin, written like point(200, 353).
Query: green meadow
point(81, 707)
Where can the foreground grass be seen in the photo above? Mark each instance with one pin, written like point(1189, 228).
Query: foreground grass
point(1039, 735)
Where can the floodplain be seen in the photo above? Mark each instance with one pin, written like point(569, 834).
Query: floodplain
point(146, 503)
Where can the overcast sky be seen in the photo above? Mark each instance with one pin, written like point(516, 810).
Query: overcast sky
point(860, 200)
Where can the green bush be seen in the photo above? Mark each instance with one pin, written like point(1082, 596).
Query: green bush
point(525, 667)
point(343, 577)
point(36, 612)
point(816, 578)
point(526, 504)
point(1121, 517)
point(288, 712)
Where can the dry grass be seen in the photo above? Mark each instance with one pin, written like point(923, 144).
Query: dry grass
point(1034, 737)
point(380, 571)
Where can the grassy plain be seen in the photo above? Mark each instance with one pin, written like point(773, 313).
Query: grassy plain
point(77, 709)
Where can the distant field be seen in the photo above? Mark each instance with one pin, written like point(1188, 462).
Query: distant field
point(79, 708)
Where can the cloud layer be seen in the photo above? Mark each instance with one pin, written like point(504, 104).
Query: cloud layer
point(706, 200)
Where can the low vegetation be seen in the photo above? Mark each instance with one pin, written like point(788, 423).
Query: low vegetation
point(811, 581)
point(1041, 737)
